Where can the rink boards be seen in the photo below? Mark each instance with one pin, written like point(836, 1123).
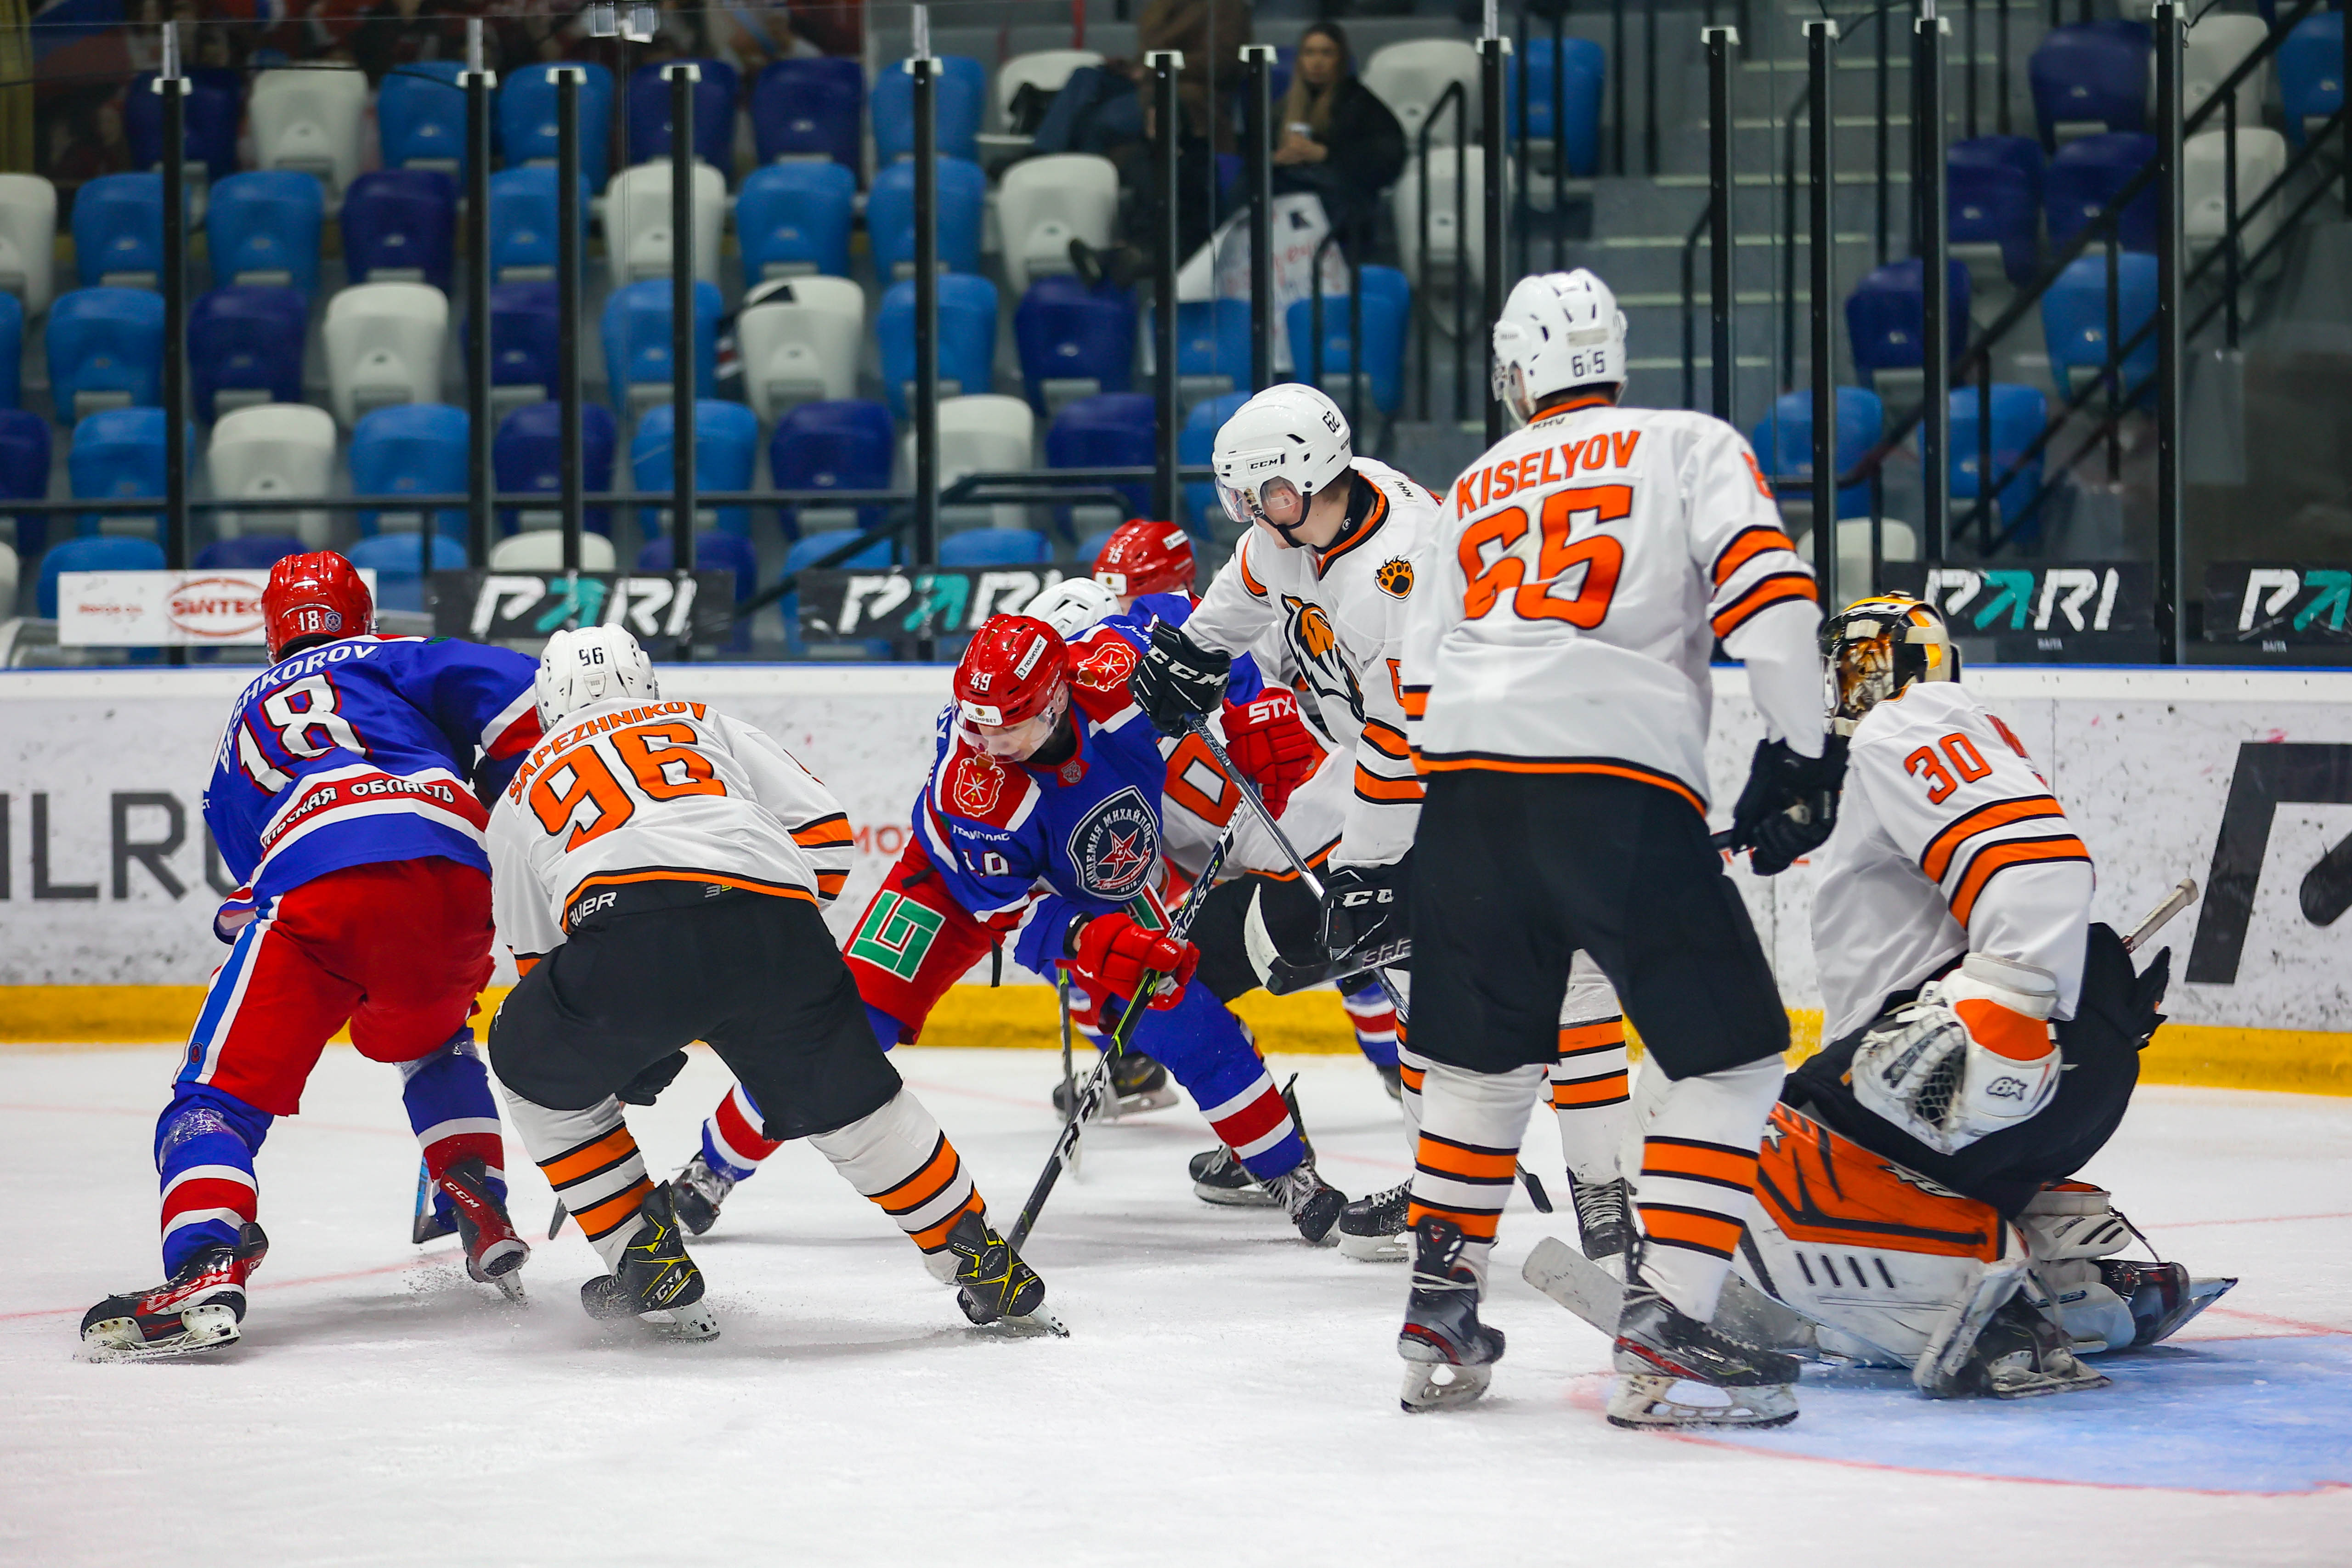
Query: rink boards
point(2240, 779)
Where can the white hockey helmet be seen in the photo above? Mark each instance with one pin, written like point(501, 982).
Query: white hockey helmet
point(1558, 329)
point(1288, 438)
point(1073, 604)
point(593, 663)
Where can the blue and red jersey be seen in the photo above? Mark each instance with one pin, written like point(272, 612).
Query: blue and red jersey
point(364, 751)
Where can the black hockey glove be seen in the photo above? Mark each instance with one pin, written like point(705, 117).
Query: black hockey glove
point(1790, 805)
point(1177, 680)
point(1365, 908)
point(644, 1088)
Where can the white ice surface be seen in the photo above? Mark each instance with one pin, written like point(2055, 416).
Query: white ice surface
point(1228, 1395)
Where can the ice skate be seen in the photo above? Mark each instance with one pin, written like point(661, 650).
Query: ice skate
point(1220, 1177)
point(2021, 1355)
point(992, 1285)
point(2161, 1296)
point(1313, 1203)
point(494, 1253)
point(698, 1191)
point(198, 1309)
point(1449, 1354)
point(1391, 1078)
point(656, 1282)
point(1138, 1084)
point(1372, 1228)
point(1603, 1223)
point(1661, 1351)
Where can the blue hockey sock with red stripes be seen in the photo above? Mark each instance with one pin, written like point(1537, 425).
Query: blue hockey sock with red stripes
point(205, 1144)
point(454, 1115)
point(733, 1142)
point(1374, 1017)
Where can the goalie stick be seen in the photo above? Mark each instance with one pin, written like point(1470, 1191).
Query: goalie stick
point(2183, 894)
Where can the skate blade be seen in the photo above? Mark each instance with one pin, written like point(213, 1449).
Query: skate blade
point(1374, 1248)
point(1441, 1385)
point(1039, 1324)
point(1646, 1400)
point(692, 1324)
point(509, 1284)
point(1249, 1197)
point(498, 1263)
point(2036, 1384)
point(202, 1329)
point(1136, 1104)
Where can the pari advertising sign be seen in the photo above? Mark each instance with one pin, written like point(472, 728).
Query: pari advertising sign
point(215, 608)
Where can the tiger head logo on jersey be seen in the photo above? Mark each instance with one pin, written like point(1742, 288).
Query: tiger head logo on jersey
point(1396, 578)
point(1315, 645)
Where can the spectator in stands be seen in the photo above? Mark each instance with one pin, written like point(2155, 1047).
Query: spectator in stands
point(402, 32)
point(1334, 136)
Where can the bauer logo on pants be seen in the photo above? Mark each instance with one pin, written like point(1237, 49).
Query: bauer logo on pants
point(1113, 847)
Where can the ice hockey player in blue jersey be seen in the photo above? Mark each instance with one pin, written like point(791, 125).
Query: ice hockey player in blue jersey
point(346, 796)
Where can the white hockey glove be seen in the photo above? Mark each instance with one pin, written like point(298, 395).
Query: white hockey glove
point(1973, 1055)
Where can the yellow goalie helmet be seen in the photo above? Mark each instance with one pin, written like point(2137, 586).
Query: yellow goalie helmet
point(1876, 648)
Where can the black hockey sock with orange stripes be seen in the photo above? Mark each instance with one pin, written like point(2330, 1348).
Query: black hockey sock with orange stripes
point(1470, 1128)
point(1697, 1179)
point(591, 1159)
point(1589, 1096)
point(899, 1157)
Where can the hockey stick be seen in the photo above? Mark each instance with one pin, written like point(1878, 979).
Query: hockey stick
point(556, 1223)
point(422, 1227)
point(2183, 894)
point(1098, 1085)
point(1069, 1074)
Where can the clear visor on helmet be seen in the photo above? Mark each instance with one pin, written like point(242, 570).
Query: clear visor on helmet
point(1275, 500)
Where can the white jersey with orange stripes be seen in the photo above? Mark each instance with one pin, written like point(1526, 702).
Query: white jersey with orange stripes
point(1948, 842)
point(1339, 613)
point(1573, 589)
point(630, 792)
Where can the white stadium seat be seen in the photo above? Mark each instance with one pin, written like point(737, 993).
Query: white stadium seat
point(309, 119)
point(2214, 49)
point(1048, 70)
point(9, 578)
point(1443, 239)
point(274, 450)
point(28, 240)
point(543, 552)
point(1410, 77)
point(2204, 172)
point(802, 345)
point(1042, 203)
point(384, 346)
point(636, 222)
point(1896, 542)
point(986, 432)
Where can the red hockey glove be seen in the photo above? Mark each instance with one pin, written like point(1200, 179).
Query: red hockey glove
point(1112, 953)
point(1269, 742)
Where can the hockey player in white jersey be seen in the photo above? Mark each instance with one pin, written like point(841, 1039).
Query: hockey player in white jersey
point(657, 869)
point(1556, 679)
point(1326, 564)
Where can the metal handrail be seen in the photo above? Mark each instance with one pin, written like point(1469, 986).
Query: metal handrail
point(1454, 95)
point(1355, 371)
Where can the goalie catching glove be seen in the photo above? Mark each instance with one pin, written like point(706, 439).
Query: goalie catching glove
point(1109, 956)
point(1789, 806)
point(1178, 681)
point(1269, 742)
point(1972, 1056)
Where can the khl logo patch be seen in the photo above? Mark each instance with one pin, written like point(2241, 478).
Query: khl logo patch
point(1113, 846)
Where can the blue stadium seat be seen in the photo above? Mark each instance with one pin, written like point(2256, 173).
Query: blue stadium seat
point(246, 337)
point(1195, 444)
point(1113, 430)
point(105, 344)
point(25, 474)
point(527, 119)
point(213, 107)
point(420, 117)
point(1584, 69)
point(811, 106)
point(1212, 346)
point(523, 227)
point(726, 445)
point(1066, 332)
point(92, 554)
point(2018, 414)
point(118, 231)
point(527, 454)
point(397, 559)
point(263, 228)
point(967, 338)
point(1387, 305)
point(638, 343)
point(1783, 440)
point(2089, 174)
point(12, 352)
point(890, 216)
point(960, 97)
point(796, 217)
point(412, 448)
point(1091, 547)
point(2311, 73)
point(995, 547)
point(2075, 317)
point(401, 223)
point(2096, 73)
point(250, 551)
point(116, 453)
point(714, 112)
point(1887, 312)
point(838, 446)
point(811, 547)
point(1994, 199)
point(526, 336)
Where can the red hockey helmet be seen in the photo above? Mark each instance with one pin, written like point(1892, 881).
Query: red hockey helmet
point(315, 596)
point(1014, 668)
point(1146, 557)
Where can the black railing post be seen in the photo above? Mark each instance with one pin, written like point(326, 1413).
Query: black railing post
point(1650, 88)
point(1559, 141)
point(1970, 77)
point(1936, 286)
point(1168, 113)
point(479, 482)
point(683, 388)
point(1820, 66)
point(2229, 248)
point(1719, 43)
point(1522, 230)
point(1461, 255)
point(1492, 48)
point(2000, 68)
point(925, 70)
point(2345, 69)
point(2171, 603)
point(1259, 100)
point(1886, 135)
point(1617, 85)
point(174, 88)
point(569, 243)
